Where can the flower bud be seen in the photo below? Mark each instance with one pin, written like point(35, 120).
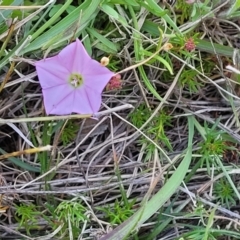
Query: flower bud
point(104, 61)
point(167, 46)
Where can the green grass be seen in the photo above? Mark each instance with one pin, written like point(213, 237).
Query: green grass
point(161, 162)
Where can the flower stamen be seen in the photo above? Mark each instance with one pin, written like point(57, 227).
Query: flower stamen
point(76, 80)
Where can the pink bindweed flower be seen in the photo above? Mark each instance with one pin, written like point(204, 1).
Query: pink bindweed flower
point(72, 82)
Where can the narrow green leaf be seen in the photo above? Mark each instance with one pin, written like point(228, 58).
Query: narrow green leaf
point(109, 45)
point(85, 11)
point(138, 49)
point(233, 8)
point(215, 48)
point(54, 10)
point(154, 8)
point(86, 42)
point(5, 60)
point(149, 84)
point(160, 59)
point(132, 2)
point(51, 20)
point(111, 12)
point(209, 224)
point(18, 162)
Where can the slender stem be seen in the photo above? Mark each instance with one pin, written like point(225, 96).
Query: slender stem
point(9, 35)
point(74, 116)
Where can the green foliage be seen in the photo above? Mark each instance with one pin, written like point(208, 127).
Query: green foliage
point(155, 129)
point(201, 9)
point(69, 132)
point(149, 151)
point(27, 216)
point(185, 9)
point(213, 145)
point(206, 219)
point(71, 212)
point(188, 79)
point(119, 212)
point(140, 115)
point(199, 235)
point(208, 66)
point(224, 192)
point(56, 7)
point(7, 14)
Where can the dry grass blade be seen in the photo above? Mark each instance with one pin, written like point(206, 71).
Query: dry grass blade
point(26, 151)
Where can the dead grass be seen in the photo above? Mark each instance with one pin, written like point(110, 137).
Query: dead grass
point(86, 168)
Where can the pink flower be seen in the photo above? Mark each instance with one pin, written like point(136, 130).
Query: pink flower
point(190, 45)
point(115, 83)
point(72, 81)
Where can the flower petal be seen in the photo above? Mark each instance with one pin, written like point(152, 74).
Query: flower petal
point(97, 76)
point(63, 100)
point(74, 57)
point(58, 100)
point(51, 72)
point(86, 101)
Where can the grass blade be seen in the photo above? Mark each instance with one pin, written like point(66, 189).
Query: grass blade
point(87, 10)
point(18, 162)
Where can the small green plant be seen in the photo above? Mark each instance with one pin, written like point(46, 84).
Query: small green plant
point(69, 132)
point(201, 9)
point(140, 115)
point(213, 145)
point(155, 129)
point(119, 212)
point(185, 9)
point(207, 219)
point(70, 212)
point(224, 192)
point(188, 79)
point(206, 230)
point(27, 216)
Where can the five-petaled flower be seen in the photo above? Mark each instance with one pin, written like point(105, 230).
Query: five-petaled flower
point(72, 82)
